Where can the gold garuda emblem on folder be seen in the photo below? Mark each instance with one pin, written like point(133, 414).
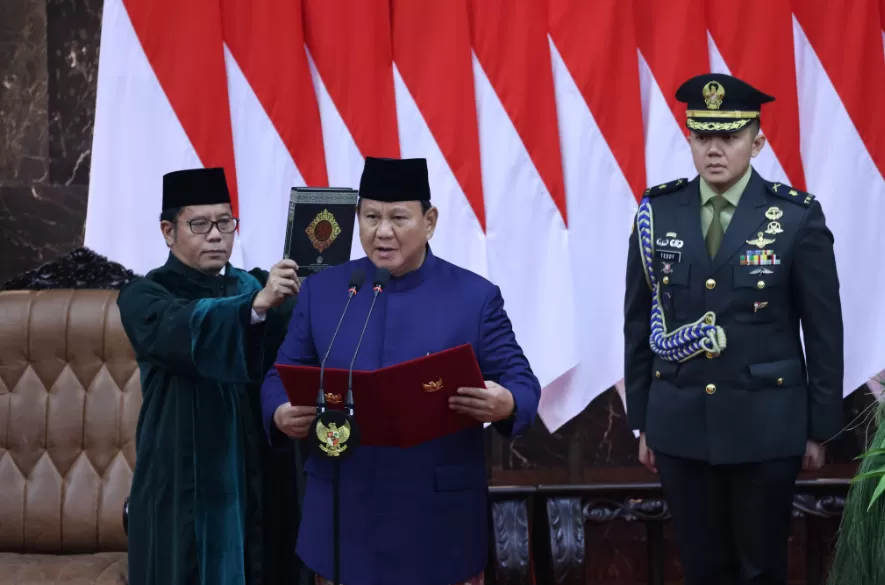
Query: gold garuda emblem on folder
point(333, 438)
point(433, 386)
point(323, 230)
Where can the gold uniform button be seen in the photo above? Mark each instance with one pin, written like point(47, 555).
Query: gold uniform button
point(708, 320)
point(780, 381)
point(711, 388)
point(711, 284)
point(657, 374)
point(710, 355)
point(760, 284)
point(666, 280)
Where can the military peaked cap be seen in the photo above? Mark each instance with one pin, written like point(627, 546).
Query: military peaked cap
point(720, 104)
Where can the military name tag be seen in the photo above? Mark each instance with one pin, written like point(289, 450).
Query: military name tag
point(668, 256)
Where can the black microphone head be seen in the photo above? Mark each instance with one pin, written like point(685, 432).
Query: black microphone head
point(357, 278)
point(382, 277)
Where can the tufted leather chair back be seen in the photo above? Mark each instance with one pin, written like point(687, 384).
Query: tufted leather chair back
point(69, 402)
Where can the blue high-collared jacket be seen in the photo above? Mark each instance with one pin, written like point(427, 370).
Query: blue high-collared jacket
point(417, 515)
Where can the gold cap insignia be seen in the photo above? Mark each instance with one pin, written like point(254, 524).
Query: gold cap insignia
point(323, 230)
point(713, 93)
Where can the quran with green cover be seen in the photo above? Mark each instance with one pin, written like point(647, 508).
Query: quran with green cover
point(319, 231)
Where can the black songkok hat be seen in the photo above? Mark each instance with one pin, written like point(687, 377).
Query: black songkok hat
point(194, 187)
point(391, 179)
point(719, 103)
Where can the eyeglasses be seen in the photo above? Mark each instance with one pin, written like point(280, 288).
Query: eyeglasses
point(204, 226)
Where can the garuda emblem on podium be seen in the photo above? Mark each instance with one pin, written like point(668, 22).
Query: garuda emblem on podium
point(333, 438)
point(323, 230)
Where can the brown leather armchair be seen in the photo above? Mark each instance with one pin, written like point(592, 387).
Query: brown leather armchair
point(69, 402)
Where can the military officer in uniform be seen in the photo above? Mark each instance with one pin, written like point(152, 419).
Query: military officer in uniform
point(722, 271)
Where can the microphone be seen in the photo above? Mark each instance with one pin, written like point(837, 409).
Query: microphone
point(357, 278)
point(382, 277)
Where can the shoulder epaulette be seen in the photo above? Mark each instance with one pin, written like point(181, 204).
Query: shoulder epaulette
point(665, 188)
point(790, 194)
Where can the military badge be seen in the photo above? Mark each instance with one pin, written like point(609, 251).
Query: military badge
point(774, 228)
point(759, 305)
point(670, 242)
point(759, 258)
point(323, 230)
point(774, 213)
point(667, 268)
point(761, 241)
point(761, 271)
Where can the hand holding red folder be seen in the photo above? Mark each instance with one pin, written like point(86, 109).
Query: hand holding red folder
point(398, 406)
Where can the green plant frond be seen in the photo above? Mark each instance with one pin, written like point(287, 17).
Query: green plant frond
point(873, 473)
point(872, 453)
point(859, 556)
point(880, 487)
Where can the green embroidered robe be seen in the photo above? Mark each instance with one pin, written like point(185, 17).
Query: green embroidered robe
point(195, 509)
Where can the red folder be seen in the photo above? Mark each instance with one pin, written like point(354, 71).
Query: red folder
point(397, 406)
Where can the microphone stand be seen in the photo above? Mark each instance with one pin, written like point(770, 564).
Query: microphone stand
point(336, 467)
point(356, 282)
point(321, 393)
point(336, 463)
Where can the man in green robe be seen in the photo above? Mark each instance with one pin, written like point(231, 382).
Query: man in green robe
point(202, 332)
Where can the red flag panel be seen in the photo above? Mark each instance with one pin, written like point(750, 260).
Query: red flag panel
point(510, 40)
point(672, 37)
point(266, 40)
point(768, 63)
point(847, 38)
point(596, 43)
point(431, 47)
point(183, 44)
point(350, 45)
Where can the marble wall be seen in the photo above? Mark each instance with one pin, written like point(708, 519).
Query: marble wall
point(48, 72)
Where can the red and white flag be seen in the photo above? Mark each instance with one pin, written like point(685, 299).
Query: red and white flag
point(541, 120)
